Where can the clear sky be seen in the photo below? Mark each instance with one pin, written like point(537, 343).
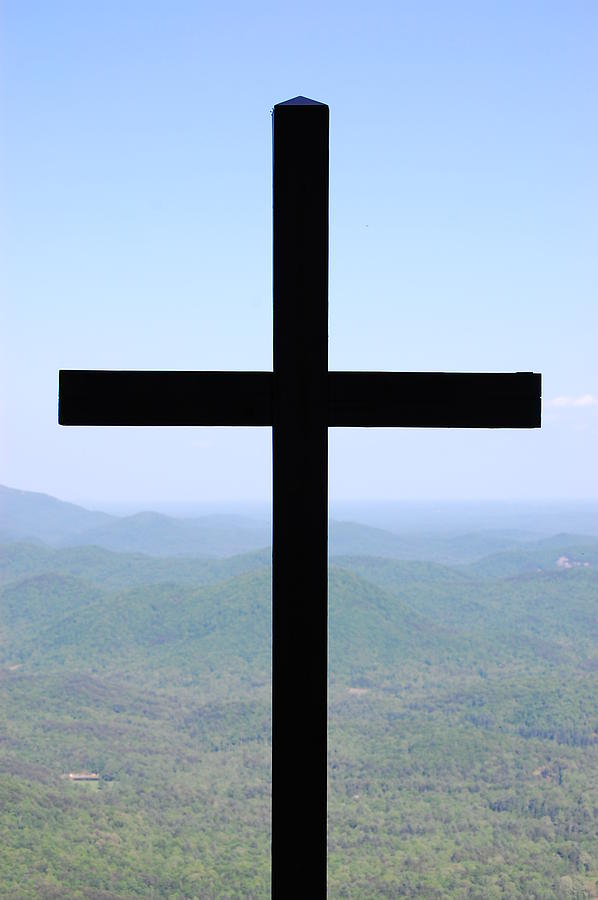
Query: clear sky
point(136, 229)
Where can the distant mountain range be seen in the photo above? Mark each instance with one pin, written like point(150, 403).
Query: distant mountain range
point(26, 514)
point(38, 518)
point(29, 516)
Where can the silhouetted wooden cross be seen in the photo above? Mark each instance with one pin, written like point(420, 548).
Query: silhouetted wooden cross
point(300, 400)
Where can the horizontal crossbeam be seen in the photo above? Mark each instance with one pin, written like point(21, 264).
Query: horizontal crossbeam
point(434, 400)
point(91, 397)
point(355, 399)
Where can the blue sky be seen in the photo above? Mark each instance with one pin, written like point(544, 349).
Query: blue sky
point(136, 231)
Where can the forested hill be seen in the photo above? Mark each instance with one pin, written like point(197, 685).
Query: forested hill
point(88, 605)
point(113, 570)
point(463, 738)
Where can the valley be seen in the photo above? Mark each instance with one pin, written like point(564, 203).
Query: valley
point(463, 721)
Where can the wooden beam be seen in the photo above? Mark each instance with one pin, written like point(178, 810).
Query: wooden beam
point(164, 398)
point(434, 400)
point(300, 501)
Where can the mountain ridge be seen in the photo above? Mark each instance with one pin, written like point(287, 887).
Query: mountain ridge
point(34, 517)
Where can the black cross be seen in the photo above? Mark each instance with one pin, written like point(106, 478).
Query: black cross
point(300, 400)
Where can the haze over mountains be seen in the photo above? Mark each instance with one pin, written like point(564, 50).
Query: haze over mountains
point(34, 517)
point(26, 515)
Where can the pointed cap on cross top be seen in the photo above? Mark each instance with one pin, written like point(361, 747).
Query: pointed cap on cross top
point(301, 101)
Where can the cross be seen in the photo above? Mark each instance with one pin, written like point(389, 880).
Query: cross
point(300, 399)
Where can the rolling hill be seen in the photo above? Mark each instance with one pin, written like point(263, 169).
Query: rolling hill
point(463, 734)
point(31, 517)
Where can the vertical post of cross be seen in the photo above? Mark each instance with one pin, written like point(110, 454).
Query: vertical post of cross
point(300, 499)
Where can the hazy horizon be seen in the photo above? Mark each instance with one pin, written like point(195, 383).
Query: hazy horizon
point(546, 516)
